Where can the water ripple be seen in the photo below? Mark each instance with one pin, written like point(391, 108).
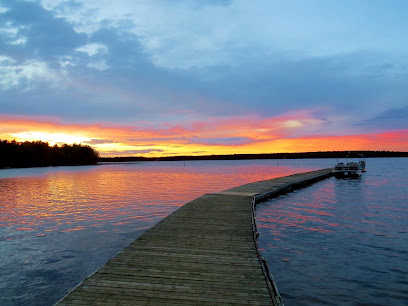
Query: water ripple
point(57, 225)
point(341, 241)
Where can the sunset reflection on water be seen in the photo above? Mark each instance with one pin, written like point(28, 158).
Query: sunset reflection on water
point(58, 225)
point(67, 201)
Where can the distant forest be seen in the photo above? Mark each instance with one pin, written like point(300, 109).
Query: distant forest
point(330, 154)
point(39, 154)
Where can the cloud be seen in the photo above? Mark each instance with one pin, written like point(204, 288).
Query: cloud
point(12, 34)
point(98, 65)
point(113, 140)
point(133, 152)
point(99, 141)
point(181, 36)
point(46, 36)
point(228, 141)
point(208, 68)
point(3, 10)
point(165, 73)
point(93, 49)
point(390, 119)
point(26, 73)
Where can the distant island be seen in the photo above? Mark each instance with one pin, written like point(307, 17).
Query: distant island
point(39, 154)
point(329, 154)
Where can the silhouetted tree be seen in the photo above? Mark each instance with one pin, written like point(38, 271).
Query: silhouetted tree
point(39, 154)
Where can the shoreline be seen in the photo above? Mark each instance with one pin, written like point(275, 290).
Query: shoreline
point(305, 155)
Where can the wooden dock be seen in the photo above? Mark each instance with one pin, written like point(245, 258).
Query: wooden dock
point(205, 253)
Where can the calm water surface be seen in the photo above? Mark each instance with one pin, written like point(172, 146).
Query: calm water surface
point(341, 242)
point(58, 225)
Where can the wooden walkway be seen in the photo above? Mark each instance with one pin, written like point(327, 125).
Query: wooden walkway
point(205, 253)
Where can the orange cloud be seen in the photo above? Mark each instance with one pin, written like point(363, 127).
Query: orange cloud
point(230, 135)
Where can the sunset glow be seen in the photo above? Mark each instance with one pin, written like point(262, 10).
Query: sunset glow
point(199, 139)
point(153, 78)
point(51, 138)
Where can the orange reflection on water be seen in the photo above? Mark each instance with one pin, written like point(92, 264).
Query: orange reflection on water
point(111, 196)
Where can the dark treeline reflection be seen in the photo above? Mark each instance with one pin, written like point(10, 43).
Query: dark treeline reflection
point(39, 154)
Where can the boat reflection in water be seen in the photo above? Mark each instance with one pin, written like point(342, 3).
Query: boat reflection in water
point(350, 169)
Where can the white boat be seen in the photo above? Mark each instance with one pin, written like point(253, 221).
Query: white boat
point(350, 169)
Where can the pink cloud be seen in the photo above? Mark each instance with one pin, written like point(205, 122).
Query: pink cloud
point(217, 135)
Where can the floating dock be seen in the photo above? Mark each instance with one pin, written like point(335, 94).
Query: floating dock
point(205, 253)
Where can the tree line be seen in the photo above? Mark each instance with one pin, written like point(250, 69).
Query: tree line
point(15, 154)
point(326, 154)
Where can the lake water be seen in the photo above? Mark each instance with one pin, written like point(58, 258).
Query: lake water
point(341, 242)
point(58, 225)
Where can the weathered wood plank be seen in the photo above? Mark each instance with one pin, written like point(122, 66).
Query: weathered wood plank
point(201, 283)
point(205, 253)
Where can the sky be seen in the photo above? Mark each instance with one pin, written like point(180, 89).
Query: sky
point(193, 77)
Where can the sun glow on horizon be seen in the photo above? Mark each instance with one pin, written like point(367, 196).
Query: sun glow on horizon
point(52, 138)
point(219, 137)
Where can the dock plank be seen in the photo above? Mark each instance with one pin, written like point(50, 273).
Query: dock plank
point(204, 253)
